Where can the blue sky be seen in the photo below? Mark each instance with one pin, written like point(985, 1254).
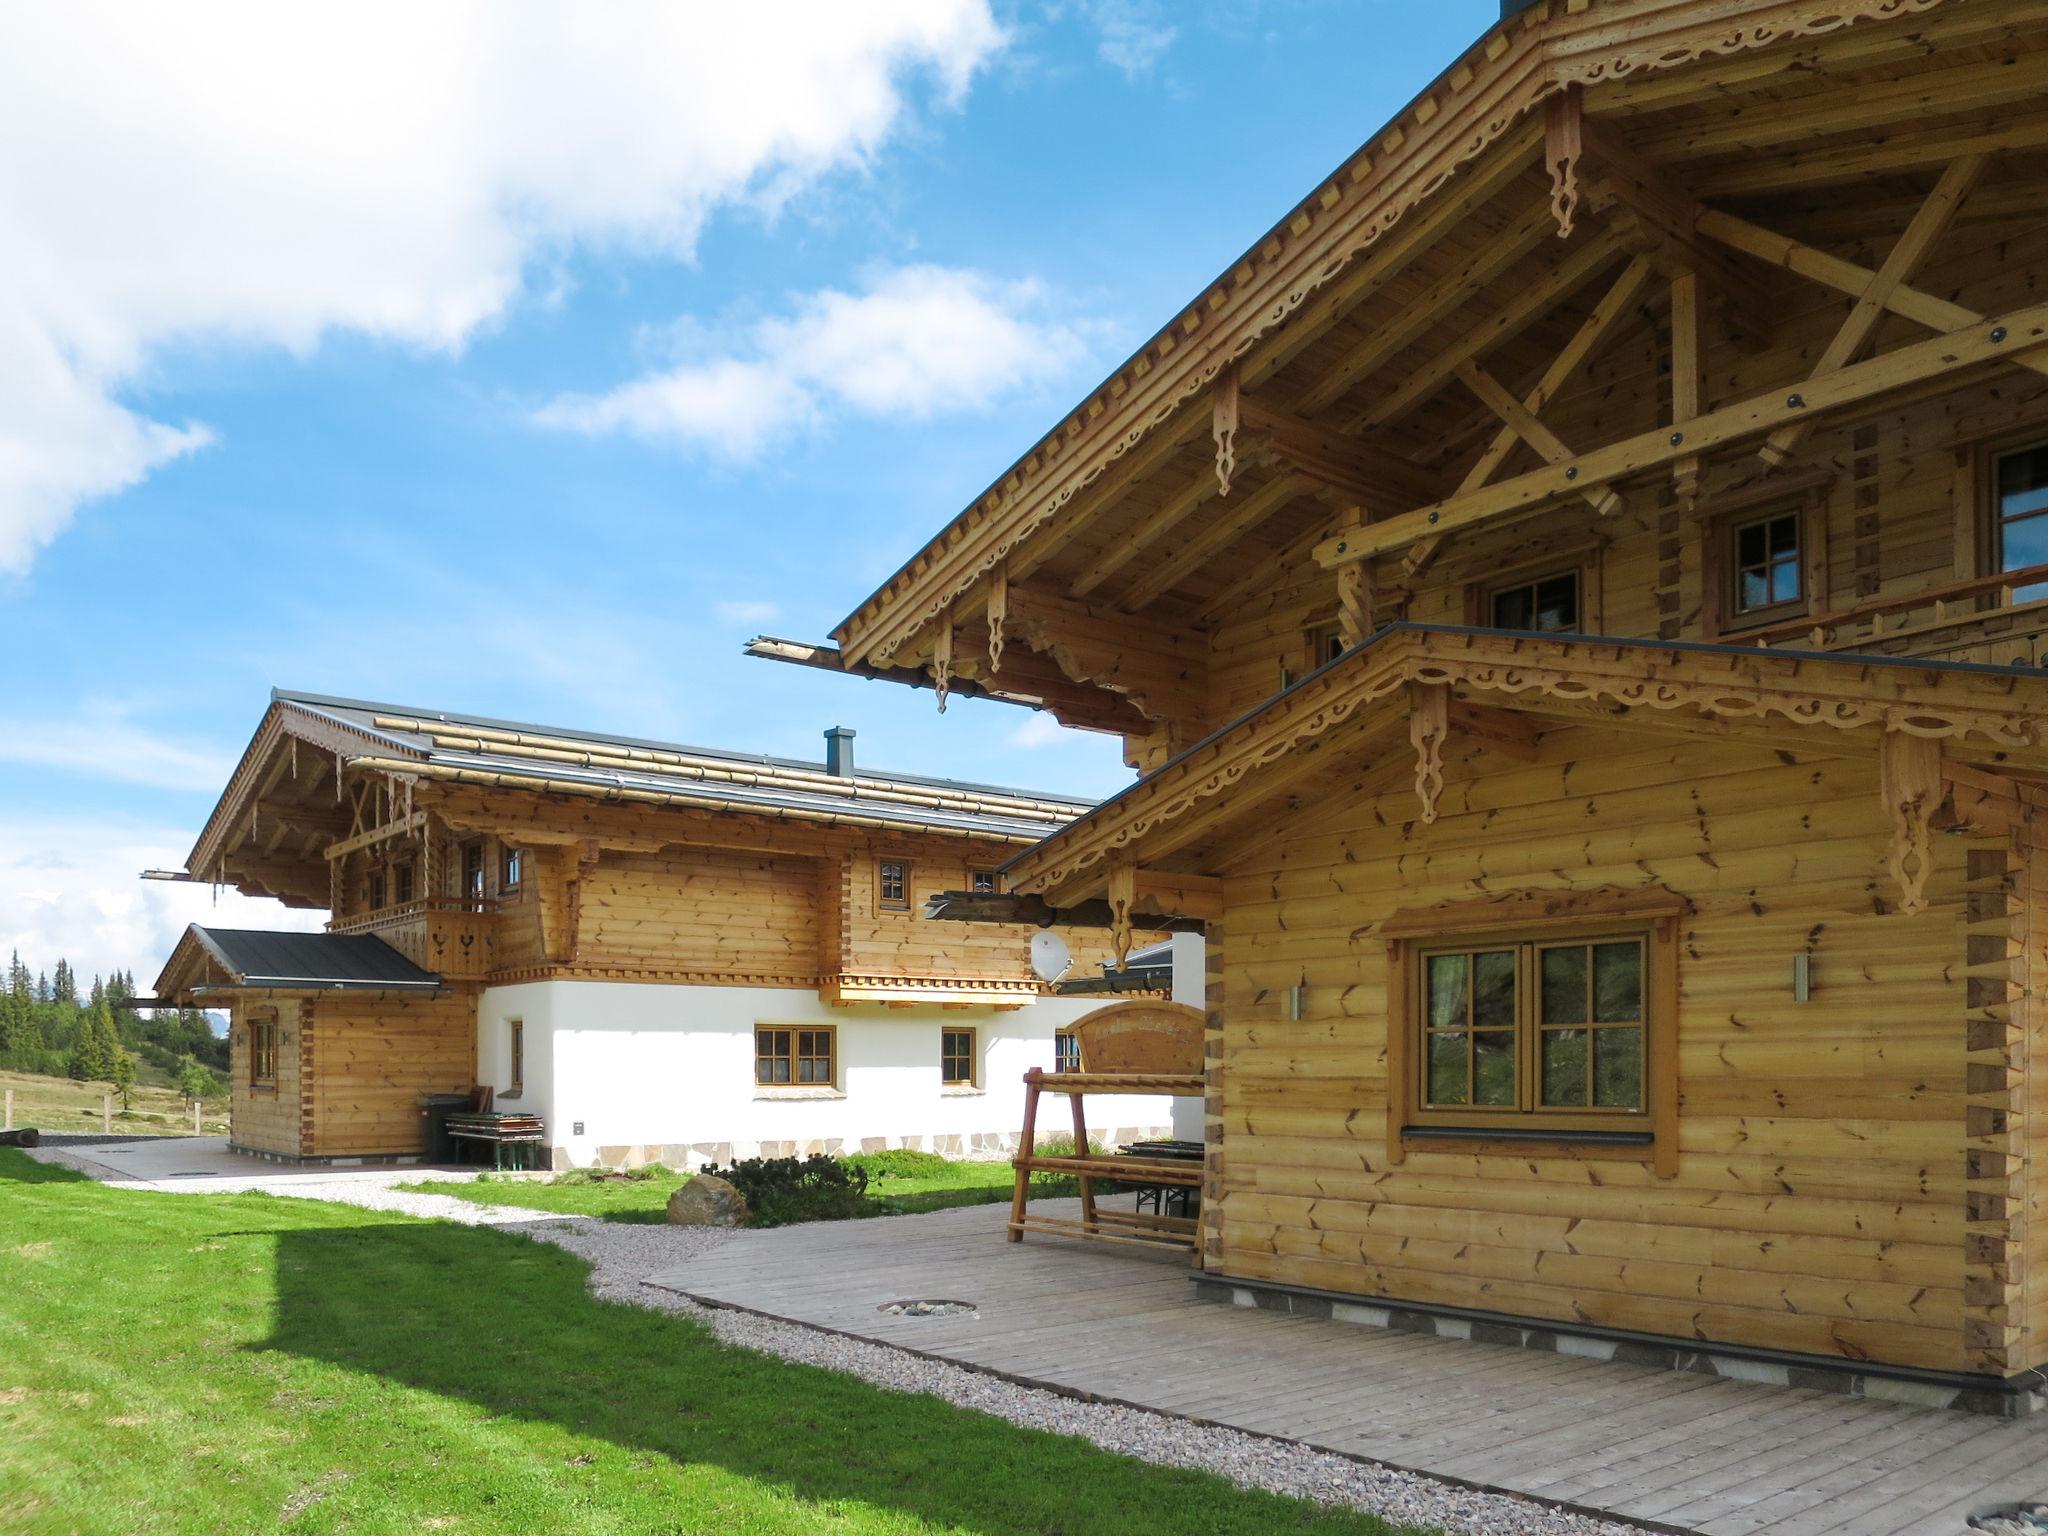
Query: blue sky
point(536, 390)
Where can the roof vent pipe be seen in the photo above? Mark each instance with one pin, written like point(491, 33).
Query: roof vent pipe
point(839, 751)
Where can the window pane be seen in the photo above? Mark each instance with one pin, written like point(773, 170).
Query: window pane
point(1785, 536)
point(1618, 1068)
point(1751, 545)
point(1557, 603)
point(1447, 1076)
point(1564, 985)
point(1514, 608)
point(778, 1070)
point(2026, 543)
point(1752, 590)
point(1494, 1055)
point(1446, 991)
point(1564, 1066)
point(1785, 580)
point(1493, 989)
point(2023, 482)
point(1617, 983)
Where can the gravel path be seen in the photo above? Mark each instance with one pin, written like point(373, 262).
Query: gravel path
point(620, 1254)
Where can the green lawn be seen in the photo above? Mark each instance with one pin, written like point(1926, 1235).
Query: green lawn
point(231, 1363)
point(937, 1185)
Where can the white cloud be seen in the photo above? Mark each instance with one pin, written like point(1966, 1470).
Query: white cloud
point(69, 890)
point(1039, 729)
point(1130, 34)
point(748, 612)
point(917, 341)
point(103, 743)
point(258, 174)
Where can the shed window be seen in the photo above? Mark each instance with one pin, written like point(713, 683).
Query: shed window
point(263, 1050)
point(1764, 567)
point(1545, 604)
point(1534, 1031)
point(956, 1057)
point(794, 1058)
point(892, 884)
point(2020, 512)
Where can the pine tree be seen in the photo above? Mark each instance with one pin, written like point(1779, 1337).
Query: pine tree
point(122, 1075)
point(19, 982)
point(64, 985)
point(19, 1036)
point(93, 1059)
point(42, 987)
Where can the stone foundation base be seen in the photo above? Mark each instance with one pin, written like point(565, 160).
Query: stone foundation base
point(686, 1157)
point(2013, 1399)
point(294, 1159)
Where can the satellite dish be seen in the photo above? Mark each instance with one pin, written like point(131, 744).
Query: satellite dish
point(1050, 958)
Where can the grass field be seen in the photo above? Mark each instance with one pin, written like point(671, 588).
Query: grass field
point(59, 1104)
point(228, 1363)
point(937, 1185)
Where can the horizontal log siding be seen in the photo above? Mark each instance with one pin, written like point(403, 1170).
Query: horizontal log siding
point(1819, 1200)
point(265, 1120)
point(372, 1054)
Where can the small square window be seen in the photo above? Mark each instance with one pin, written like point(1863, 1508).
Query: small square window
point(1766, 575)
point(982, 880)
point(1066, 1051)
point(956, 1057)
point(892, 885)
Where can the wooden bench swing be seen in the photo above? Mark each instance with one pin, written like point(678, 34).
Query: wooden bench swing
point(1126, 1048)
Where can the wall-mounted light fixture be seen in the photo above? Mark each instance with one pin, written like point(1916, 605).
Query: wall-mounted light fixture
point(1297, 999)
point(1802, 978)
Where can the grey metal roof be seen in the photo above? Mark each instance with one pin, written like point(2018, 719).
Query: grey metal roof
point(745, 781)
point(260, 959)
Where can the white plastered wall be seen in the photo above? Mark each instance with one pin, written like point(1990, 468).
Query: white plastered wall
point(666, 1073)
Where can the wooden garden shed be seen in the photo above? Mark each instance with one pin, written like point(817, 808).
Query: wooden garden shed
point(1576, 594)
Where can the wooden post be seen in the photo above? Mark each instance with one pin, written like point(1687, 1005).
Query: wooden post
point(195, 1117)
point(1088, 1222)
point(1026, 1141)
point(106, 1114)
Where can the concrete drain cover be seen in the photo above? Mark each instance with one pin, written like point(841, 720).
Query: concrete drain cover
point(928, 1308)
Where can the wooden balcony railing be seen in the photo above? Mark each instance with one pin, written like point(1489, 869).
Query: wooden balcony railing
point(1982, 619)
point(453, 936)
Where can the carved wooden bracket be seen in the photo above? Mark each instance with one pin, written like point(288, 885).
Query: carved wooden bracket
point(1909, 772)
point(1429, 724)
point(1563, 144)
point(1224, 429)
point(1123, 897)
point(942, 658)
point(998, 613)
point(1354, 606)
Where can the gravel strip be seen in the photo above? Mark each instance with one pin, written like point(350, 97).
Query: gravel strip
point(620, 1254)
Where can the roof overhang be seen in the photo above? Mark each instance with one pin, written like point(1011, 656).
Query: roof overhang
point(210, 961)
point(1419, 170)
point(1390, 704)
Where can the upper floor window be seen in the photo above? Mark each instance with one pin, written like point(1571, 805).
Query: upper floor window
point(376, 890)
point(981, 880)
point(1545, 603)
point(1765, 567)
point(401, 883)
point(892, 885)
point(2020, 512)
point(509, 869)
point(472, 888)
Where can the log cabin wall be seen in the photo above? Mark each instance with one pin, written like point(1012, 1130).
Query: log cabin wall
point(266, 1118)
point(716, 913)
point(1819, 1201)
point(368, 1056)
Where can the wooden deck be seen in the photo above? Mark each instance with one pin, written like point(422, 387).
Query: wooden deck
point(1691, 1452)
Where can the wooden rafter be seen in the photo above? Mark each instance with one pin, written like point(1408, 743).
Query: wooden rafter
point(1243, 515)
point(2001, 339)
point(1685, 376)
point(1927, 226)
point(1905, 149)
point(1170, 514)
point(1338, 460)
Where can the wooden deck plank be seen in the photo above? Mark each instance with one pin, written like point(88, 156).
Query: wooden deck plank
point(1721, 1457)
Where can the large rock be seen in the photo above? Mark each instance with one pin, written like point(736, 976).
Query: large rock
point(707, 1201)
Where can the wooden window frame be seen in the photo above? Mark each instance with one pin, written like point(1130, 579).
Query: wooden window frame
point(263, 1028)
point(471, 885)
point(1066, 1036)
point(374, 890)
point(1490, 591)
point(1986, 523)
point(1805, 495)
point(794, 1054)
point(973, 1078)
point(986, 880)
point(1585, 558)
point(1536, 919)
point(515, 1040)
point(884, 902)
point(403, 874)
point(511, 867)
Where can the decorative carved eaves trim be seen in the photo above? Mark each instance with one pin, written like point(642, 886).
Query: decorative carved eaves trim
point(1975, 712)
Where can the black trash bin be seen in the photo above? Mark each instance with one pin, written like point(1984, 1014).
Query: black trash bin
point(435, 1108)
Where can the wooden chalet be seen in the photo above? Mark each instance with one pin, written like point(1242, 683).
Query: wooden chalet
point(664, 952)
point(1576, 593)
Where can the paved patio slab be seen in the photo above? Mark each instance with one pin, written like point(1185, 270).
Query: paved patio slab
point(1684, 1451)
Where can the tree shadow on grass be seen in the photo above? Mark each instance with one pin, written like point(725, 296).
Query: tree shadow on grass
point(504, 1323)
